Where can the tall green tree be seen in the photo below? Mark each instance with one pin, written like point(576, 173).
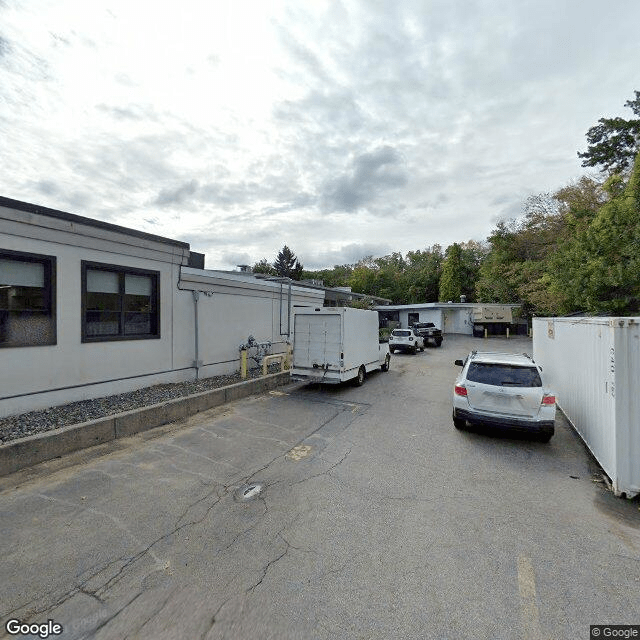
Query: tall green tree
point(338, 276)
point(452, 279)
point(287, 265)
point(422, 274)
point(515, 269)
point(262, 266)
point(598, 268)
point(614, 142)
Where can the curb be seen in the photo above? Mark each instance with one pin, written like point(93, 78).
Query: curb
point(29, 451)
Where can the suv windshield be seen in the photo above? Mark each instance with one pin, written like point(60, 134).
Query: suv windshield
point(404, 333)
point(503, 375)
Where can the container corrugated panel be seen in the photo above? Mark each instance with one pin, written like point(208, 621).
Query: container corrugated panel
point(593, 365)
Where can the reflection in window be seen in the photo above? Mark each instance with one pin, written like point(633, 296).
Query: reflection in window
point(119, 303)
point(27, 308)
point(504, 375)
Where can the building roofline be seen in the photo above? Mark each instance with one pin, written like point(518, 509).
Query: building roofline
point(449, 305)
point(9, 203)
point(309, 285)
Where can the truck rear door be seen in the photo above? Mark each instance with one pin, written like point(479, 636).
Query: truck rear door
point(317, 340)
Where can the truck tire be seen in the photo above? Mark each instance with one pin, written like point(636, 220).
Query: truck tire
point(438, 342)
point(359, 379)
point(385, 365)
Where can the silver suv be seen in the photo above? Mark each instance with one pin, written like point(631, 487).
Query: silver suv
point(503, 390)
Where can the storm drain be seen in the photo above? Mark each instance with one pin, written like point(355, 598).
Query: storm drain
point(248, 492)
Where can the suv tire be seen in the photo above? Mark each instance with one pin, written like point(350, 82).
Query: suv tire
point(459, 423)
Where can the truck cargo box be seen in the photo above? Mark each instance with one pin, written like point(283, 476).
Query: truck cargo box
point(335, 344)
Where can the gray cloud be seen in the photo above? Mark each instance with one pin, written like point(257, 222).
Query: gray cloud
point(370, 175)
point(176, 196)
point(132, 112)
point(346, 254)
point(46, 187)
point(234, 259)
point(5, 47)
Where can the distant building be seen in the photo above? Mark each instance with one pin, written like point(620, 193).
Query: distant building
point(469, 318)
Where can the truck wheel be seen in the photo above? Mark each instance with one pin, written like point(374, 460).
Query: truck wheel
point(359, 379)
point(438, 342)
point(385, 365)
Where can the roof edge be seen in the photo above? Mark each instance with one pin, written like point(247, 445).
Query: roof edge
point(28, 207)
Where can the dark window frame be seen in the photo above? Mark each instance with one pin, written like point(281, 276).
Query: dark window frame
point(50, 268)
point(122, 271)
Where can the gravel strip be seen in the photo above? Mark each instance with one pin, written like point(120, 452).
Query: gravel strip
point(28, 424)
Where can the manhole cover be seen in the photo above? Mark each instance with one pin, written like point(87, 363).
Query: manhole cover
point(248, 492)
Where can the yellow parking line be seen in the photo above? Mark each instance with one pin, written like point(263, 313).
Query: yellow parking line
point(528, 604)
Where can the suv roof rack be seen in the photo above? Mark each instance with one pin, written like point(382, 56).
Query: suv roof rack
point(475, 353)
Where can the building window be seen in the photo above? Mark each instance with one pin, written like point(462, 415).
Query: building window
point(27, 299)
point(119, 303)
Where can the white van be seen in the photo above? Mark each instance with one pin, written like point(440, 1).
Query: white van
point(335, 344)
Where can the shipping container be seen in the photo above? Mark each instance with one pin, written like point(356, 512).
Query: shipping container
point(335, 344)
point(593, 365)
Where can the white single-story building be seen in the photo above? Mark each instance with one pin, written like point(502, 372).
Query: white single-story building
point(453, 317)
point(89, 308)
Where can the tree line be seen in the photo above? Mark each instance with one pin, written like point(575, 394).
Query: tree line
point(574, 250)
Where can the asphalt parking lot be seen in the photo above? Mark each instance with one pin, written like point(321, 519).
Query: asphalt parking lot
point(324, 512)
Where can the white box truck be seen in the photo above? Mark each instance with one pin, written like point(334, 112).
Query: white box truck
point(335, 344)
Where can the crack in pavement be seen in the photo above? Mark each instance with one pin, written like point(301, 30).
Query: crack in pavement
point(168, 462)
point(245, 434)
point(248, 478)
point(262, 423)
point(83, 507)
point(154, 613)
point(325, 472)
point(104, 623)
point(200, 455)
point(270, 563)
point(115, 579)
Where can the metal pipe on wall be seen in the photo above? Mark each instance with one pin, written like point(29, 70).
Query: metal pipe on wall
point(197, 362)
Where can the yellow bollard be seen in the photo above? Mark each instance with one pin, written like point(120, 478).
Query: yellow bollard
point(485, 333)
point(286, 363)
point(243, 363)
point(507, 332)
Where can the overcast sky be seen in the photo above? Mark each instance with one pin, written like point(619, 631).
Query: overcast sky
point(341, 128)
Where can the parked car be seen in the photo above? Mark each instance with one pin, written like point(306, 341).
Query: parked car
point(405, 340)
point(504, 390)
point(429, 332)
